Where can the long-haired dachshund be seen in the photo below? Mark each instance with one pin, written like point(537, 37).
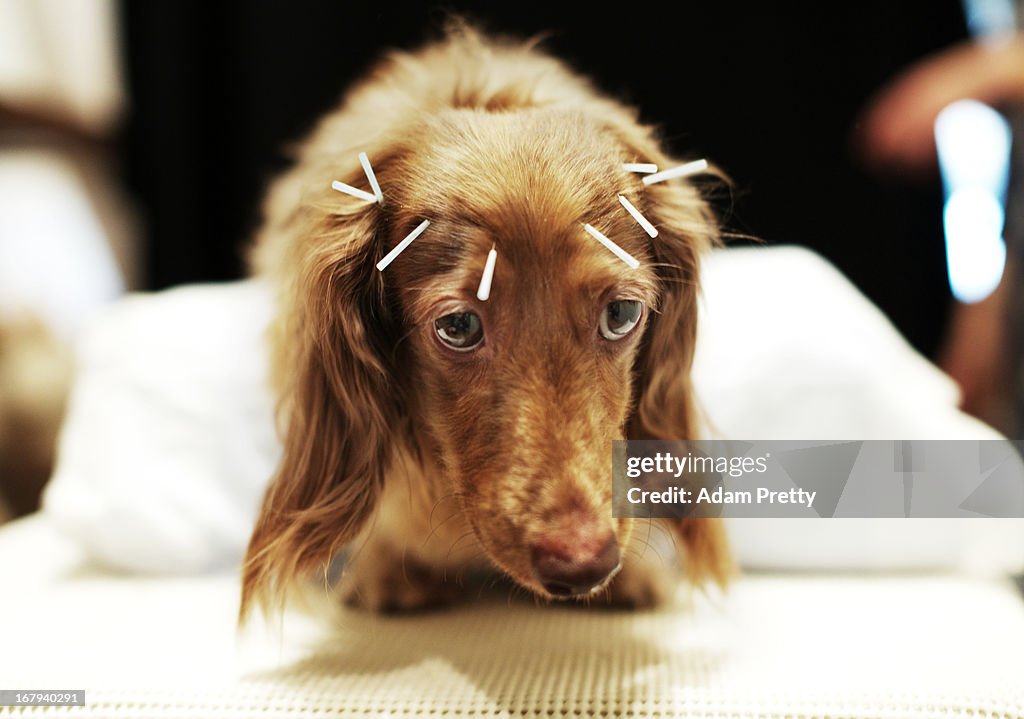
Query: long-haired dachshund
point(428, 430)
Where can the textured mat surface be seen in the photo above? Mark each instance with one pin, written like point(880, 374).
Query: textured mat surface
point(776, 646)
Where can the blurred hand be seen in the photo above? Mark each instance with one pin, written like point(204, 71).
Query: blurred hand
point(896, 127)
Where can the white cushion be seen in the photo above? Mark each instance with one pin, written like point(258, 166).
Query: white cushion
point(169, 438)
point(789, 349)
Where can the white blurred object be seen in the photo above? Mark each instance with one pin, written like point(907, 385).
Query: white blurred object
point(60, 59)
point(990, 19)
point(55, 254)
point(62, 219)
point(789, 349)
point(973, 143)
point(975, 249)
point(170, 440)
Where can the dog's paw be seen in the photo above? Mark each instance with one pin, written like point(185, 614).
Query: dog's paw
point(641, 584)
point(393, 585)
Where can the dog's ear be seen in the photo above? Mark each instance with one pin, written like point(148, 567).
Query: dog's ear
point(663, 397)
point(664, 405)
point(332, 369)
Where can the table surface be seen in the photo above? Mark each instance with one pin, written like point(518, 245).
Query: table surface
point(776, 645)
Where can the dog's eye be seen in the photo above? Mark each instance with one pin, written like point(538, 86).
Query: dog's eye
point(460, 330)
point(619, 318)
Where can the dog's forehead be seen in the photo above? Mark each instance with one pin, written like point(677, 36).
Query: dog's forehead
point(526, 166)
point(525, 183)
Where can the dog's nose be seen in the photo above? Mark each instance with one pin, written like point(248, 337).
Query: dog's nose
point(566, 571)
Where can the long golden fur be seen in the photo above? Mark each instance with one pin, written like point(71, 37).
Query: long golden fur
point(425, 460)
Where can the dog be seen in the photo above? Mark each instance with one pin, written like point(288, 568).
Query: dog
point(428, 431)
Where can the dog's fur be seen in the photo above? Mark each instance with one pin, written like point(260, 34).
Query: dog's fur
point(424, 460)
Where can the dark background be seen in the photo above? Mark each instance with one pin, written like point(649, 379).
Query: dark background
point(768, 90)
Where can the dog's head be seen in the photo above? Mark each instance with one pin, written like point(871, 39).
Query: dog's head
point(513, 401)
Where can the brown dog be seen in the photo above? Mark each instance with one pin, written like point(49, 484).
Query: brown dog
point(429, 430)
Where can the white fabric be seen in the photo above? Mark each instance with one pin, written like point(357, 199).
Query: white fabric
point(776, 646)
point(55, 254)
point(789, 349)
point(169, 439)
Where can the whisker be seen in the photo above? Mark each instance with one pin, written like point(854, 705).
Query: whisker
point(639, 554)
point(405, 574)
point(667, 533)
point(647, 545)
point(446, 519)
point(400, 340)
point(430, 518)
point(647, 539)
point(442, 498)
point(461, 537)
